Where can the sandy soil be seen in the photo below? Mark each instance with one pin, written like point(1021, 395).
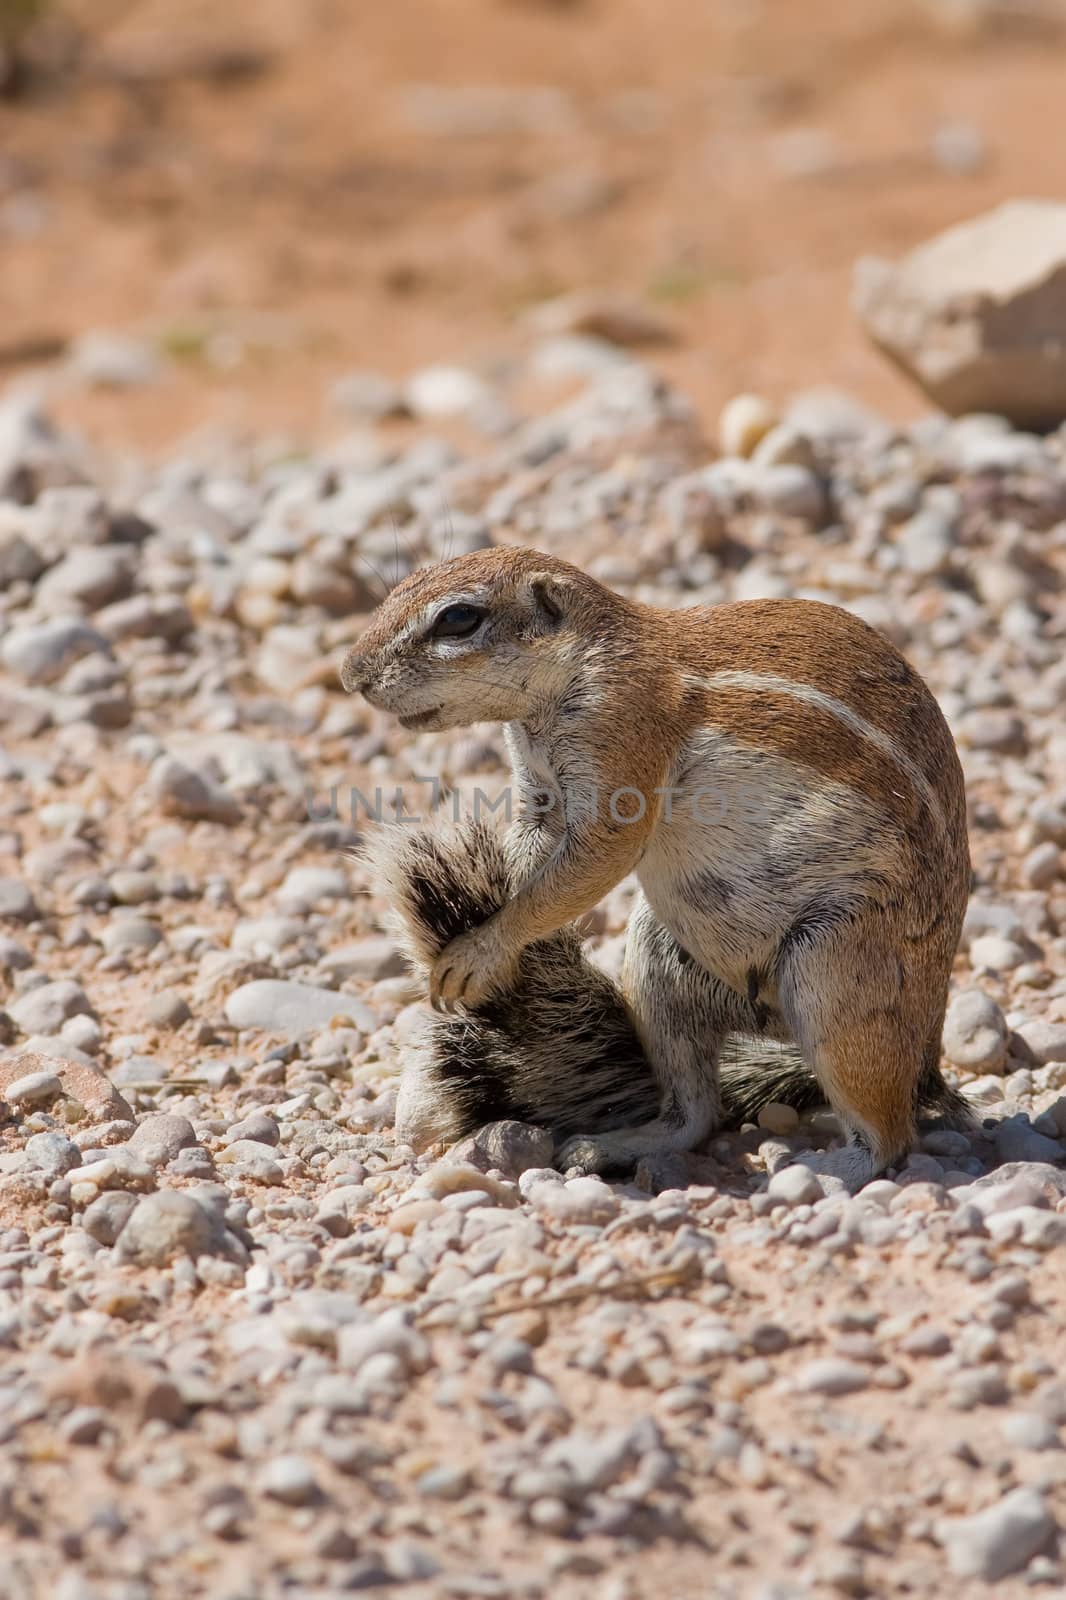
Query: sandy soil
point(278, 175)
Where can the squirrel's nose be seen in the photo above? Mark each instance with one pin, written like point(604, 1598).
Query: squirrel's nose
point(354, 675)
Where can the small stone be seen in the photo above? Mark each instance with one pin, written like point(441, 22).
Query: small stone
point(925, 542)
point(790, 491)
point(20, 562)
point(551, 1515)
point(369, 959)
point(960, 148)
point(833, 1377)
point(314, 583)
point(36, 1089)
point(776, 1117)
point(106, 1216)
point(114, 360)
point(444, 1483)
point(1001, 732)
point(448, 1178)
point(83, 1425)
point(692, 511)
point(90, 577)
point(1017, 1140)
point(1024, 1430)
point(125, 935)
point(290, 1480)
point(368, 397)
point(926, 1341)
point(132, 888)
point(991, 953)
point(46, 1008)
point(338, 1209)
point(1015, 1184)
point(795, 1186)
point(360, 1344)
point(975, 1032)
point(145, 616)
point(310, 885)
point(1043, 865)
point(259, 1128)
point(278, 1006)
point(745, 420)
point(16, 901)
point(594, 315)
point(167, 1010)
point(52, 1154)
point(116, 1170)
point(999, 1540)
point(844, 1572)
point(267, 936)
point(158, 1139)
point(41, 652)
point(406, 1218)
point(99, 1380)
point(785, 446)
point(140, 1072)
point(252, 1161)
point(166, 1225)
point(581, 1201)
point(84, 1033)
point(52, 863)
point(14, 957)
point(181, 792)
point(408, 1562)
point(1045, 1041)
point(515, 1147)
point(443, 391)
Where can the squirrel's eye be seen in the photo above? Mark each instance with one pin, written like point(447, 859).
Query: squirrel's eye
point(458, 622)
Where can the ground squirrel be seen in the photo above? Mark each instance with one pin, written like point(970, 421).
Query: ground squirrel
point(782, 784)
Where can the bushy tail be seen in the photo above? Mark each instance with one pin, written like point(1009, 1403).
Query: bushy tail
point(753, 1077)
point(560, 1048)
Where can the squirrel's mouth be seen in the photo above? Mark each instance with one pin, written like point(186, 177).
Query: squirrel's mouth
point(420, 719)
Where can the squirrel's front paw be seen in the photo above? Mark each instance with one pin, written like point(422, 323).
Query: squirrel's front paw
point(470, 969)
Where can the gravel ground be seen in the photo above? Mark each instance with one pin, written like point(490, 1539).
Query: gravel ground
point(249, 1345)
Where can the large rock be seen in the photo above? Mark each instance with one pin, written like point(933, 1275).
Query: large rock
point(79, 1082)
point(976, 315)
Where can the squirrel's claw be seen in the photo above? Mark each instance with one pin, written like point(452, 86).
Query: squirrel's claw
point(447, 982)
point(468, 970)
point(436, 978)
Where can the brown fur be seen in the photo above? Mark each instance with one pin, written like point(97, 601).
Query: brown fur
point(844, 945)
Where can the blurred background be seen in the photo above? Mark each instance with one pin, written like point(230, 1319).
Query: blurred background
point(214, 214)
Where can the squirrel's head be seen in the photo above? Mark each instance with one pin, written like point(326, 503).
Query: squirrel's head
point(486, 637)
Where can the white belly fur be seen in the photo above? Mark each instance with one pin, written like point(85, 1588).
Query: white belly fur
point(752, 842)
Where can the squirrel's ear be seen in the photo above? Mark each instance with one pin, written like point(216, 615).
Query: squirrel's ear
point(551, 597)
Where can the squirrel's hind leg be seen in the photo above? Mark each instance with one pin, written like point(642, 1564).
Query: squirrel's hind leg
point(863, 1023)
point(683, 1015)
